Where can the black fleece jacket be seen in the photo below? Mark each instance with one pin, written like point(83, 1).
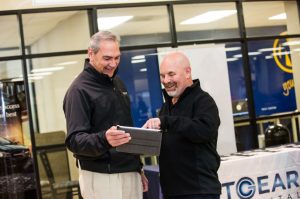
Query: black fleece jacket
point(188, 159)
point(93, 103)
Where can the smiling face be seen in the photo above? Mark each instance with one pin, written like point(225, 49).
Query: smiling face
point(107, 59)
point(175, 74)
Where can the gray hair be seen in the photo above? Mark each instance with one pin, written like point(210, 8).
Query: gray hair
point(101, 36)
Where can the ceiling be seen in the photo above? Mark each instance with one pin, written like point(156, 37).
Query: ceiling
point(256, 15)
point(32, 4)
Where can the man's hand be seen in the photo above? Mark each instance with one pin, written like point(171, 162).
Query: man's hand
point(116, 137)
point(144, 182)
point(153, 123)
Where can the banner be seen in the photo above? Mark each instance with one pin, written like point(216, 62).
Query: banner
point(12, 106)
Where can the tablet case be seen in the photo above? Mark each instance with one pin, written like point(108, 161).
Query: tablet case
point(143, 141)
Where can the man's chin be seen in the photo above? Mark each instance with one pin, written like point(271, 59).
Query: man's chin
point(109, 74)
point(171, 93)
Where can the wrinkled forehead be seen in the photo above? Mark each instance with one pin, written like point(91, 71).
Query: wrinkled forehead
point(109, 48)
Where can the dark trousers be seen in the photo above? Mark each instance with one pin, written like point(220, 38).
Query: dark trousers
point(194, 197)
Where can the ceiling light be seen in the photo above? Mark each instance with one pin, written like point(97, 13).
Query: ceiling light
point(143, 70)
point(137, 61)
point(37, 77)
point(232, 49)
point(269, 57)
point(269, 49)
point(237, 56)
point(249, 53)
point(29, 78)
point(66, 63)
point(17, 79)
point(105, 23)
point(231, 59)
point(37, 74)
point(281, 16)
point(208, 17)
point(281, 53)
point(39, 70)
point(139, 57)
point(291, 43)
point(253, 53)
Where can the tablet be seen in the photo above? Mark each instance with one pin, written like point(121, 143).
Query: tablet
point(143, 141)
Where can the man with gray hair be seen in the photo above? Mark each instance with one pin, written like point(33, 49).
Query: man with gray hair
point(94, 104)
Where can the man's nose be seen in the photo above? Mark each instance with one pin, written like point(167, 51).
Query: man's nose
point(165, 80)
point(114, 63)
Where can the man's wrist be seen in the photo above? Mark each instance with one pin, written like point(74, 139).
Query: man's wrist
point(142, 172)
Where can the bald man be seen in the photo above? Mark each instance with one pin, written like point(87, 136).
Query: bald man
point(189, 120)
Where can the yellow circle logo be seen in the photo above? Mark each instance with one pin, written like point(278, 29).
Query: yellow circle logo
point(282, 57)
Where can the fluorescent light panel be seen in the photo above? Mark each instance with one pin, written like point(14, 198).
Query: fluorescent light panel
point(39, 70)
point(231, 59)
point(269, 57)
point(37, 74)
point(66, 63)
point(281, 53)
point(208, 17)
point(291, 43)
point(232, 49)
point(139, 57)
point(29, 78)
point(105, 23)
point(280, 16)
point(253, 53)
point(143, 70)
point(249, 53)
point(135, 61)
point(269, 49)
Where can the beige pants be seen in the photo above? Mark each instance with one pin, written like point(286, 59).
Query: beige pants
point(110, 186)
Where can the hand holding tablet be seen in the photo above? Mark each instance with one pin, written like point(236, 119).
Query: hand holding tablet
point(143, 141)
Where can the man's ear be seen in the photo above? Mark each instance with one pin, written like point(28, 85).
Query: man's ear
point(90, 53)
point(188, 71)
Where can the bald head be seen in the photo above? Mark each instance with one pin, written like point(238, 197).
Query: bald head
point(176, 58)
point(175, 74)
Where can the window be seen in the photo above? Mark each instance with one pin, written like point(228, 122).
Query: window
point(56, 31)
point(50, 77)
point(206, 21)
point(282, 18)
point(9, 37)
point(137, 26)
point(140, 72)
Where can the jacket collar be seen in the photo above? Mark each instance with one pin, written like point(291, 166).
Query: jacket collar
point(196, 84)
point(102, 78)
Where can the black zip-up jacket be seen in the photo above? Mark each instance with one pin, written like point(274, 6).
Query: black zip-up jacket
point(188, 159)
point(93, 103)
